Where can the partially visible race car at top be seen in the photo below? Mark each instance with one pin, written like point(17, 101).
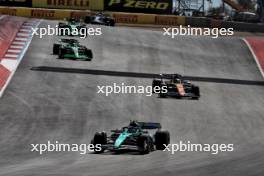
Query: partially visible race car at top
point(143, 137)
point(71, 27)
point(72, 49)
point(100, 19)
point(175, 86)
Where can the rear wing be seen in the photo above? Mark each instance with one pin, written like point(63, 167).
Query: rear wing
point(65, 40)
point(149, 125)
point(170, 76)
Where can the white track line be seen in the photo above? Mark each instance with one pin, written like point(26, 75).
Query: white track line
point(255, 57)
point(13, 51)
point(23, 34)
point(8, 58)
point(24, 30)
point(16, 47)
point(18, 43)
point(11, 55)
point(21, 39)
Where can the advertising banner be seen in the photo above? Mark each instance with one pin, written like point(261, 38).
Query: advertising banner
point(70, 4)
point(139, 6)
point(17, 3)
point(169, 20)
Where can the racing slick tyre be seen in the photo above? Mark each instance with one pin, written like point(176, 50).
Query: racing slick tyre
point(196, 92)
point(89, 54)
point(162, 138)
point(99, 138)
point(87, 19)
point(155, 83)
point(110, 23)
point(144, 145)
point(163, 95)
point(61, 25)
point(61, 53)
point(56, 48)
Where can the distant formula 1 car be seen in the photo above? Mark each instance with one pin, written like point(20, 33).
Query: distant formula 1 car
point(72, 27)
point(100, 19)
point(176, 86)
point(71, 48)
point(136, 137)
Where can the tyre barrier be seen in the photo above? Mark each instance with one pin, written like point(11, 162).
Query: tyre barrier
point(133, 18)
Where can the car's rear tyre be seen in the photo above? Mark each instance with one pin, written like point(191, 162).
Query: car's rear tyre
point(155, 83)
point(87, 19)
point(162, 138)
point(61, 53)
point(89, 54)
point(144, 145)
point(101, 139)
point(196, 92)
point(56, 48)
point(163, 95)
point(111, 23)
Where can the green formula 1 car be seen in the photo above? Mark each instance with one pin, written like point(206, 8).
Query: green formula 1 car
point(71, 28)
point(136, 136)
point(72, 49)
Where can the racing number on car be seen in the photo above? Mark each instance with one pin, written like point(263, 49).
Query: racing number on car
point(180, 89)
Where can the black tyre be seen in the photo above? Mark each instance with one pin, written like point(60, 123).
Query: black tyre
point(61, 25)
point(87, 19)
point(99, 138)
point(162, 138)
point(155, 83)
point(61, 53)
point(111, 22)
point(196, 92)
point(144, 145)
point(56, 48)
point(89, 54)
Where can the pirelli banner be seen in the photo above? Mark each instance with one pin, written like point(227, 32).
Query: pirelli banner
point(139, 6)
point(16, 3)
point(69, 4)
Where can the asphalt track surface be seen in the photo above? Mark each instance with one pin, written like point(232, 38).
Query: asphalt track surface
point(40, 105)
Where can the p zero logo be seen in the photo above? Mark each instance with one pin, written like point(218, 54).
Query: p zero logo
point(22, 3)
point(142, 6)
point(43, 13)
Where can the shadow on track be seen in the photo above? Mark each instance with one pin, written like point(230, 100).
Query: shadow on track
point(143, 75)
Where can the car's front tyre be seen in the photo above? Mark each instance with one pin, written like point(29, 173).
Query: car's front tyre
point(144, 145)
point(162, 138)
point(56, 48)
point(100, 138)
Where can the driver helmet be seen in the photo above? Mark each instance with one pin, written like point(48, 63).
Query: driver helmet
point(134, 124)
